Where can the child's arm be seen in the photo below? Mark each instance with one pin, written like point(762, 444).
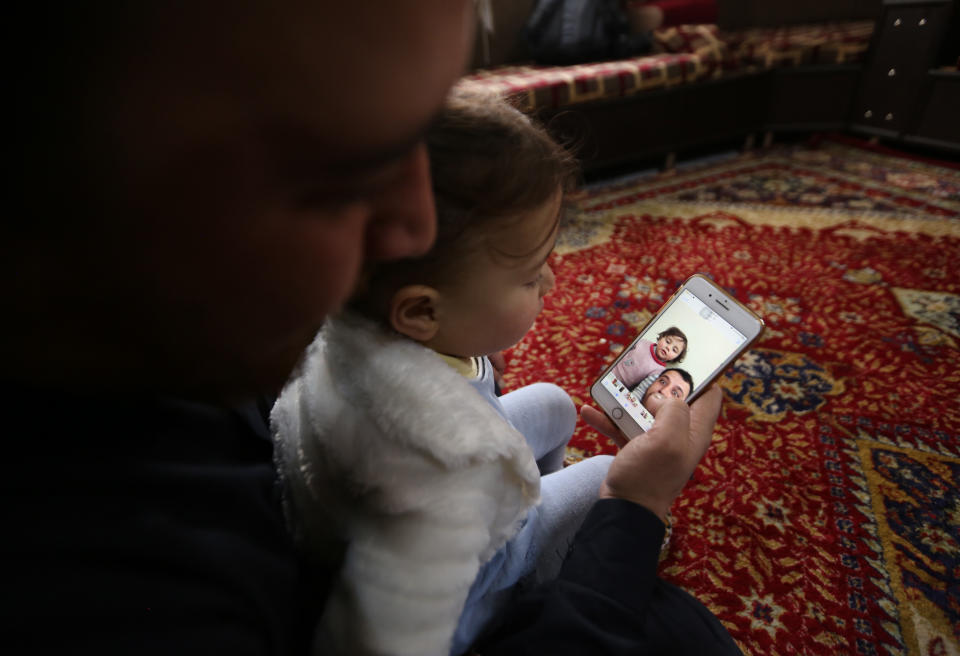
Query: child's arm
point(413, 558)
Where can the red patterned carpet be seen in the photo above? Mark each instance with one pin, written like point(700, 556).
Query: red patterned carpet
point(825, 518)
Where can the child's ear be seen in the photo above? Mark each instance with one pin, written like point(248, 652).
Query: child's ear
point(413, 312)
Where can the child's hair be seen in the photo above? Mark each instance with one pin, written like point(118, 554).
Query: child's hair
point(489, 164)
point(673, 331)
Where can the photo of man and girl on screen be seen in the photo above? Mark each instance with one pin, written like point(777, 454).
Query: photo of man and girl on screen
point(675, 354)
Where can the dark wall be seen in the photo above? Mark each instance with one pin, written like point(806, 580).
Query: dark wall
point(763, 13)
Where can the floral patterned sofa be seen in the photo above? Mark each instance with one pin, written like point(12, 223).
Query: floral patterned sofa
point(701, 83)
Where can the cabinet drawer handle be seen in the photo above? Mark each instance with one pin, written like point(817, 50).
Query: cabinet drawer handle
point(888, 117)
point(923, 21)
point(867, 114)
point(897, 23)
point(891, 72)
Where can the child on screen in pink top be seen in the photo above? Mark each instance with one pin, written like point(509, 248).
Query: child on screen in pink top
point(647, 357)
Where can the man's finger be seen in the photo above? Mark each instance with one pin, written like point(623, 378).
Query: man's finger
point(673, 420)
point(703, 417)
point(602, 424)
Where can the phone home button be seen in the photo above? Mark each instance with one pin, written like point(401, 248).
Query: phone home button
point(617, 413)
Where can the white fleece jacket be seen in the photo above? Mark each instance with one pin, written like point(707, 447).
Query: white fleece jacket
point(382, 444)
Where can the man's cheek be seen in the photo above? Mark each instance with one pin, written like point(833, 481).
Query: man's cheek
point(334, 258)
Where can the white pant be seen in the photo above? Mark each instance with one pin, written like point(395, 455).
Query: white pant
point(546, 417)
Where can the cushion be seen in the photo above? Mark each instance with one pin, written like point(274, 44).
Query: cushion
point(800, 45)
point(684, 54)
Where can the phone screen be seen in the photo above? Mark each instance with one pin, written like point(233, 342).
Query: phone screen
point(655, 368)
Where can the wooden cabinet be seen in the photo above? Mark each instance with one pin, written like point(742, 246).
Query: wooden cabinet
point(900, 82)
point(938, 121)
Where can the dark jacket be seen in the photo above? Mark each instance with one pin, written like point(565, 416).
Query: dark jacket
point(155, 528)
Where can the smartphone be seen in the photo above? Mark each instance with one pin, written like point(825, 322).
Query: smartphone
point(697, 334)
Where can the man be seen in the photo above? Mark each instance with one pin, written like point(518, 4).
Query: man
point(198, 185)
point(672, 383)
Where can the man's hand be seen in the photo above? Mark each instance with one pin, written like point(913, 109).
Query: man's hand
point(652, 469)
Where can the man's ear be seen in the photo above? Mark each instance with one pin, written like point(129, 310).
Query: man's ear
point(413, 312)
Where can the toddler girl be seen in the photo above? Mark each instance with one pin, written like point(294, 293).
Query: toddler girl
point(398, 457)
point(648, 358)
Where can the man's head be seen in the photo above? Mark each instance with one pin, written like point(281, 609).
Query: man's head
point(214, 176)
point(671, 384)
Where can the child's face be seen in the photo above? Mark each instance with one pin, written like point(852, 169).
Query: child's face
point(669, 347)
point(495, 299)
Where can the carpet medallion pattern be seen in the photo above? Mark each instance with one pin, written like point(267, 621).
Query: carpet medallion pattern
point(825, 518)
